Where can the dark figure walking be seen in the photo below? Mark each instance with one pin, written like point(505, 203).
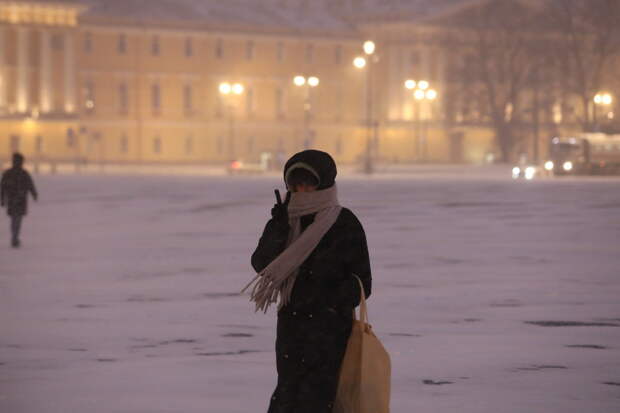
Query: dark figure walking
point(14, 187)
point(322, 246)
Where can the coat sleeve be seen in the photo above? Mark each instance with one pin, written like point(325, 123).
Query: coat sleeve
point(3, 189)
point(356, 263)
point(270, 245)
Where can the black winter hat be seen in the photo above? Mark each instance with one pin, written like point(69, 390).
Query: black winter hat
point(317, 162)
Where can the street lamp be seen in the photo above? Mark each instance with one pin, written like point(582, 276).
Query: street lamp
point(229, 91)
point(421, 92)
point(369, 47)
point(307, 83)
point(601, 99)
point(360, 62)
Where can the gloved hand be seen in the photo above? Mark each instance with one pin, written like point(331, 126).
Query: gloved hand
point(279, 213)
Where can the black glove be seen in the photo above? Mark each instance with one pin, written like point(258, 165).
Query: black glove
point(279, 213)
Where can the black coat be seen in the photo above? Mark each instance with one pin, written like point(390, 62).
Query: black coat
point(14, 188)
point(314, 327)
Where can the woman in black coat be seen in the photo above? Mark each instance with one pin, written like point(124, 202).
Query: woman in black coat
point(315, 323)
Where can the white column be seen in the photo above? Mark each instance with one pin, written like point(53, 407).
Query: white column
point(3, 79)
point(23, 70)
point(45, 73)
point(69, 68)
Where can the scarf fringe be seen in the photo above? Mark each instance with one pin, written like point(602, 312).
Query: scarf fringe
point(276, 281)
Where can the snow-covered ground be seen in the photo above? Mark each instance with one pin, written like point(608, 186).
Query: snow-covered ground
point(124, 297)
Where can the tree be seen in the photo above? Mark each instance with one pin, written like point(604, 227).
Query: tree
point(588, 42)
point(506, 51)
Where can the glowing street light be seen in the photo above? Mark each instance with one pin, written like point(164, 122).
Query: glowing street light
point(238, 88)
point(431, 94)
point(313, 81)
point(603, 99)
point(359, 62)
point(225, 88)
point(307, 83)
point(421, 92)
point(369, 47)
point(229, 89)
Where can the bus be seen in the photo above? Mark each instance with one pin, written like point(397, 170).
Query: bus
point(584, 154)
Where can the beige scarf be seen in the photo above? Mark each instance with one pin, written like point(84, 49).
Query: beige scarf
point(278, 278)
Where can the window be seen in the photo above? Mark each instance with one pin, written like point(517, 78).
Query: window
point(338, 55)
point(157, 144)
point(189, 47)
point(89, 96)
point(219, 48)
point(187, 99)
point(250, 50)
point(219, 106)
point(15, 143)
point(124, 144)
point(249, 101)
point(123, 101)
point(339, 145)
point(39, 144)
point(155, 98)
point(88, 42)
point(189, 145)
point(57, 42)
point(280, 52)
point(155, 47)
point(121, 45)
point(432, 66)
point(309, 53)
point(70, 138)
point(279, 102)
point(414, 58)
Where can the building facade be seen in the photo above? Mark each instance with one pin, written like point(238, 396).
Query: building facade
point(109, 82)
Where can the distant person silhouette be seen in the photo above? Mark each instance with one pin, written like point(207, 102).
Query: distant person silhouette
point(14, 187)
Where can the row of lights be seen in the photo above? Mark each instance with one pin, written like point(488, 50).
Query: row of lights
point(369, 49)
point(603, 99)
point(227, 88)
point(311, 81)
point(421, 89)
point(231, 88)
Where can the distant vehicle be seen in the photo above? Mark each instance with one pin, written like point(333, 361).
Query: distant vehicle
point(525, 171)
point(238, 166)
point(584, 154)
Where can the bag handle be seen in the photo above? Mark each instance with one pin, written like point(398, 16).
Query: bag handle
point(363, 307)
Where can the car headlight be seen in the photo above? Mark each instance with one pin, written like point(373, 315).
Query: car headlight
point(530, 171)
point(568, 166)
point(549, 165)
point(516, 171)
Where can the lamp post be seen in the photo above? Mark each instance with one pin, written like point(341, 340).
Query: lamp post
point(366, 62)
point(601, 99)
point(307, 83)
point(421, 92)
point(229, 91)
